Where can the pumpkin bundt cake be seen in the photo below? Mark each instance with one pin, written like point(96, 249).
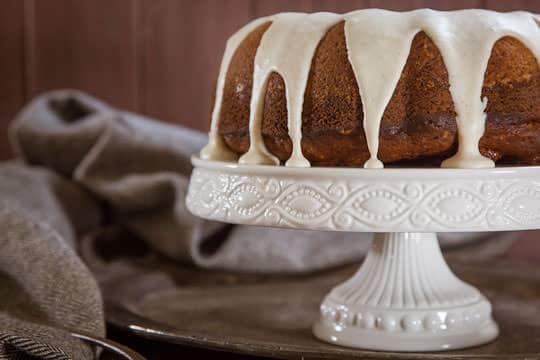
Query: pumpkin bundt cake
point(374, 87)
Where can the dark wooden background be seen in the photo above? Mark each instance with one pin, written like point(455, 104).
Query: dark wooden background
point(157, 57)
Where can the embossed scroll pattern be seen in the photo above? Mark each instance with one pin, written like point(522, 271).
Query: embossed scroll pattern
point(356, 205)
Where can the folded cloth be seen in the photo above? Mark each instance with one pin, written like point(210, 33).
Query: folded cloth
point(140, 169)
point(45, 288)
point(82, 164)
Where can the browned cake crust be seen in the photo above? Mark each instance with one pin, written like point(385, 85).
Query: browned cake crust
point(418, 126)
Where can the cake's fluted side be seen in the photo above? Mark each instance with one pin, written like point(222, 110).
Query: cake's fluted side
point(275, 54)
point(378, 45)
point(216, 149)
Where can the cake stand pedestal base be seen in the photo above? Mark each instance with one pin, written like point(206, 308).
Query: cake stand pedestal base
point(405, 298)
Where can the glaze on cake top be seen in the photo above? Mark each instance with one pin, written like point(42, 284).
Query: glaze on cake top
point(378, 45)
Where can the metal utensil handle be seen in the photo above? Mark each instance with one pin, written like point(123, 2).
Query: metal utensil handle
point(119, 349)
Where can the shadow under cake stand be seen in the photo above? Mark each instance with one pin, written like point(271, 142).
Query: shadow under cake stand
point(404, 297)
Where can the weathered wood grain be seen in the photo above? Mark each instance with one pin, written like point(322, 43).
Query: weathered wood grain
point(509, 5)
point(11, 67)
point(181, 47)
point(433, 4)
point(85, 44)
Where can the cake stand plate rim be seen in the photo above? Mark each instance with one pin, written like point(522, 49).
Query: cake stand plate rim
point(367, 200)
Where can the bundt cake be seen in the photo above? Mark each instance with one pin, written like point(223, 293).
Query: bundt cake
point(422, 88)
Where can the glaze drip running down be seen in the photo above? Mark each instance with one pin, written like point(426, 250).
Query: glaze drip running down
point(378, 44)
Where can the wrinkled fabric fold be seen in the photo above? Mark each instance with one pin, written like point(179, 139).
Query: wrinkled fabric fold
point(140, 169)
point(46, 290)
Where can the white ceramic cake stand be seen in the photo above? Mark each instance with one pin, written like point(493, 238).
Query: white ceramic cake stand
point(404, 297)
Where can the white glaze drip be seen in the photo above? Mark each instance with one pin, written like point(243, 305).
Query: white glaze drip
point(216, 148)
point(378, 44)
point(465, 40)
point(287, 48)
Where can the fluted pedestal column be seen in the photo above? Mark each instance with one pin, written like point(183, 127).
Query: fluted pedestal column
point(405, 298)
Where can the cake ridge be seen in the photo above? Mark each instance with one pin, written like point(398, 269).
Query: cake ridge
point(273, 55)
point(465, 39)
point(216, 148)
